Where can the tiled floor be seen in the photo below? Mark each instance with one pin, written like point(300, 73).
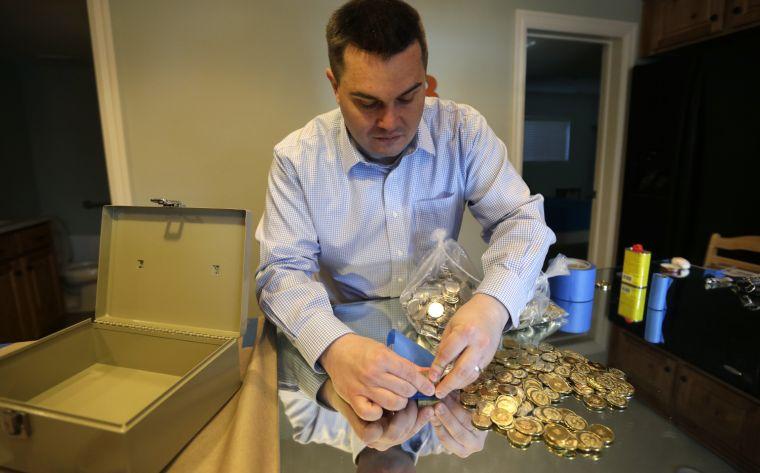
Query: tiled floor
point(645, 442)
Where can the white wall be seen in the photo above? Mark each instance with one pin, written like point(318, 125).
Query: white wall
point(208, 88)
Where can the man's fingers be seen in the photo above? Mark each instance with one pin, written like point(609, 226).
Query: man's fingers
point(366, 409)
point(462, 414)
point(400, 423)
point(461, 433)
point(396, 385)
point(411, 373)
point(448, 351)
point(466, 370)
point(387, 399)
point(448, 441)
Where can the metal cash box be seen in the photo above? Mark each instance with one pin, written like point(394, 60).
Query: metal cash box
point(128, 389)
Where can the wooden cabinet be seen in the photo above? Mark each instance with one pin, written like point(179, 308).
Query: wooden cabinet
point(31, 303)
point(650, 373)
point(740, 13)
point(667, 24)
point(719, 416)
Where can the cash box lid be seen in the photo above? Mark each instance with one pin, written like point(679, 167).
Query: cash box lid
point(175, 268)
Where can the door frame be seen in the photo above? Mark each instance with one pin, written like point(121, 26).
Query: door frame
point(620, 40)
point(106, 79)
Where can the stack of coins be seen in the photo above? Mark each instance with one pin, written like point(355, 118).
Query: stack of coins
point(518, 395)
point(431, 306)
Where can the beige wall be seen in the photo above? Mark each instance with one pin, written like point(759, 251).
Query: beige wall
point(208, 88)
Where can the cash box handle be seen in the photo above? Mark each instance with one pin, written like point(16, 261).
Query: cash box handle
point(15, 424)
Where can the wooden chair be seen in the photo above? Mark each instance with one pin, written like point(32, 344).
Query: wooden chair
point(745, 243)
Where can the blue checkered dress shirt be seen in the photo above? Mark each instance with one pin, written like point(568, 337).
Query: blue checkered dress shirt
point(338, 228)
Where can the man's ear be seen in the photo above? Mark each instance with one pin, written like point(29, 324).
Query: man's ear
point(333, 82)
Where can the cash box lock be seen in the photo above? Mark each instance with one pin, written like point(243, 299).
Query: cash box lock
point(15, 424)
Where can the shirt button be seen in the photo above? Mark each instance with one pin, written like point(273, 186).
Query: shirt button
point(400, 279)
point(400, 252)
point(395, 214)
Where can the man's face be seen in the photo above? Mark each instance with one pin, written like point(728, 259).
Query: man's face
point(381, 100)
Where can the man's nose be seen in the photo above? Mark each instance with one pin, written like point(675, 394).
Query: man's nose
point(388, 118)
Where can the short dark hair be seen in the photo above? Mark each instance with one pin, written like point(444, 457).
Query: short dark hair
point(382, 27)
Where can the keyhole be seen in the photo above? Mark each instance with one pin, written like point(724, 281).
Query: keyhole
point(216, 270)
point(140, 263)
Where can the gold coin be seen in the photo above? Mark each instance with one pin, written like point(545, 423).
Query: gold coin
point(594, 402)
point(564, 411)
point(469, 400)
point(502, 418)
point(504, 377)
point(525, 409)
point(508, 403)
point(552, 415)
point(508, 390)
point(518, 439)
point(597, 366)
point(616, 401)
point(553, 396)
point(545, 347)
point(471, 388)
point(616, 373)
point(489, 394)
point(589, 442)
point(604, 433)
point(485, 407)
point(529, 426)
point(562, 370)
point(538, 413)
point(571, 443)
point(575, 422)
point(583, 391)
point(539, 398)
point(509, 343)
point(480, 421)
point(519, 374)
point(532, 383)
point(578, 378)
point(555, 434)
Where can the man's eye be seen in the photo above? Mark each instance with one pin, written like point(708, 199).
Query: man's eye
point(367, 105)
point(405, 100)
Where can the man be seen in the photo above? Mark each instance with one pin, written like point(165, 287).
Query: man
point(355, 194)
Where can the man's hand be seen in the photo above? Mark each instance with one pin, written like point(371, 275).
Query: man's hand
point(370, 377)
point(453, 427)
point(471, 338)
point(390, 430)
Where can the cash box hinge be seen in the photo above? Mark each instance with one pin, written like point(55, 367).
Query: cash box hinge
point(16, 424)
point(161, 330)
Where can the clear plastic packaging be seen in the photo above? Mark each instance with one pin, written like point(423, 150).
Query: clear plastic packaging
point(446, 279)
point(540, 309)
point(443, 282)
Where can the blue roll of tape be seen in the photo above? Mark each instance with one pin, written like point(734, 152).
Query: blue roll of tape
point(406, 348)
point(579, 316)
point(658, 293)
point(578, 286)
point(653, 327)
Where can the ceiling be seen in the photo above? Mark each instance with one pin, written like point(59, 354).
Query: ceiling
point(44, 29)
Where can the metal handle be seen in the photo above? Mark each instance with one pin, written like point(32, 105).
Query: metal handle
point(667, 369)
point(163, 202)
point(737, 10)
point(714, 17)
point(15, 424)
point(683, 379)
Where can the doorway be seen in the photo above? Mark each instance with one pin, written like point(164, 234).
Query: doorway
point(562, 89)
point(584, 207)
point(52, 160)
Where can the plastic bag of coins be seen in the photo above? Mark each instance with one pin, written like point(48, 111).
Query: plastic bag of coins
point(520, 396)
point(444, 280)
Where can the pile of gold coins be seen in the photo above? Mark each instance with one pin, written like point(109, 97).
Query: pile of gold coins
point(518, 393)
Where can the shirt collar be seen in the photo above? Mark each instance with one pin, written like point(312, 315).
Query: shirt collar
point(350, 156)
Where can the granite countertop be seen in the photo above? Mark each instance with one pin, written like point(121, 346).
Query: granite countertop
point(7, 226)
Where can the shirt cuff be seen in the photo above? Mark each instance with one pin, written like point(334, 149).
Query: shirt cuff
point(320, 331)
point(509, 289)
